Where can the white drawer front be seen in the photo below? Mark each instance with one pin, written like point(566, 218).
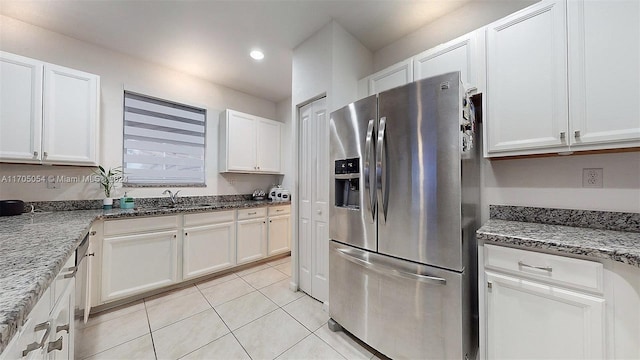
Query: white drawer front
point(552, 268)
point(216, 217)
point(279, 210)
point(140, 225)
point(252, 213)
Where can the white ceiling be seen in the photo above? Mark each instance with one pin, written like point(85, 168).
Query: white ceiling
point(212, 39)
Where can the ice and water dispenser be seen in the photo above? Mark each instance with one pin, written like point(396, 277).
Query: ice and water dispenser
point(347, 187)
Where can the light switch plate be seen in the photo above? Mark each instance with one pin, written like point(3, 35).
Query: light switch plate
point(592, 177)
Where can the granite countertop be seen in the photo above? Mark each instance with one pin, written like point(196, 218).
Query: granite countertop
point(620, 246)
point(35, 246)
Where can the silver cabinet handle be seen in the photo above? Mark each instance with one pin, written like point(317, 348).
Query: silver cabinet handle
point(545, 268)
point(74, 270)
point(387, 270)
point(35, 154)
point(576, 133)
point(280, 210)
point(55, 345)
point(562, 135)
point(62, 328)
point(35, 346)
point(252, 213)
point(93, 233)
point(371, 196)
point(319, 212)
point(45, 154)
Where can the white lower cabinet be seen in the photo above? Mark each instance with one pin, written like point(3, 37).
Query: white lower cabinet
point(279, 230)
point(529, 319)
point(251, 235)
point(133, 256)
point(210, 247)
point(133, 264)
point(543, 306)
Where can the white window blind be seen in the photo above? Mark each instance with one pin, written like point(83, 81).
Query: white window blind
point(164, 142)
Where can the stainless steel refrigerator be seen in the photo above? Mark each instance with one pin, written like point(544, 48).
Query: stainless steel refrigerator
point(405, 193)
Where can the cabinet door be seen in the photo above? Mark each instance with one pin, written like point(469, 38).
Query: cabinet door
point(527, 81)
point(241, 142)
point(136, 263)
point(531, 320)
point(395, 75)
point(279, 238)
point(60, 344)
point(455, 55)
point(207, 249)
point(269, 152)
point(604, 81)
point(251, 240)
point(70, 125)
point(20, 108)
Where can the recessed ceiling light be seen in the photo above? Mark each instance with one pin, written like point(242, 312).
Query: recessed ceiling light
point(257, 54)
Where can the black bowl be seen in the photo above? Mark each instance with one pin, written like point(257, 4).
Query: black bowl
point(11, 207)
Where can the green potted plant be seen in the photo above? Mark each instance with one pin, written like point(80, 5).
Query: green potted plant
point(108, 180)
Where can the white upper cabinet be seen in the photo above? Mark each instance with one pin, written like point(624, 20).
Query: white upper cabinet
point(539, 100)
point(460, 54)
point(269, 143)
point(52, 112)
point(20, 108)
point(395, 75)
point(249, 144)
point(70, 125)
point(527, 82)
point(604, 74)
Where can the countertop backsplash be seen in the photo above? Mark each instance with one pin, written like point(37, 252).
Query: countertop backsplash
point(603, 220)
point(139, 202)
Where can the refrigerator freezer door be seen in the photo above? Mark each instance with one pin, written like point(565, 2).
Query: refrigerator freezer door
point(352, 136)
point(402, 309)
point(418, 172)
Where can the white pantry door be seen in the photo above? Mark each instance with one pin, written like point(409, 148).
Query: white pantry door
point(313, 200)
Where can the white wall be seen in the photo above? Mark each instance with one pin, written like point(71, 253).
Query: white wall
point(118, 71)
point(283, 113)
point(556, 182)
point(351, 61)
point(329, 62)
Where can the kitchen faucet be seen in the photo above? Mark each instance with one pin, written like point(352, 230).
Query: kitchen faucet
point(172, 196)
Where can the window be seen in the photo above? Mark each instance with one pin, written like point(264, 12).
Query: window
point(164, 142)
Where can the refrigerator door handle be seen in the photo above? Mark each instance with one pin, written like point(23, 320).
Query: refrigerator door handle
point(370, 191)
point(388, 270)
point(380, 176)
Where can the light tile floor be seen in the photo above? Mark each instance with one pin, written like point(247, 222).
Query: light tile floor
point(250, 314)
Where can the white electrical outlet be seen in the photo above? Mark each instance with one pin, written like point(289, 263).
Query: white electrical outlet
point(592, 178)
point(52, 183)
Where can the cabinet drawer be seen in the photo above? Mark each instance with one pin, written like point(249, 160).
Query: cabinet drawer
point(252, 213)
point(141, 225)
point(209, 218)
point(279, 210)
point(552, 268)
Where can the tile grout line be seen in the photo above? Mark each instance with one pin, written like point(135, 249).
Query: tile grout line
point(228, 328)
point(301, 340)
point(153, 343)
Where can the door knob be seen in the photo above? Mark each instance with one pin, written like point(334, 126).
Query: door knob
point(319, 212)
